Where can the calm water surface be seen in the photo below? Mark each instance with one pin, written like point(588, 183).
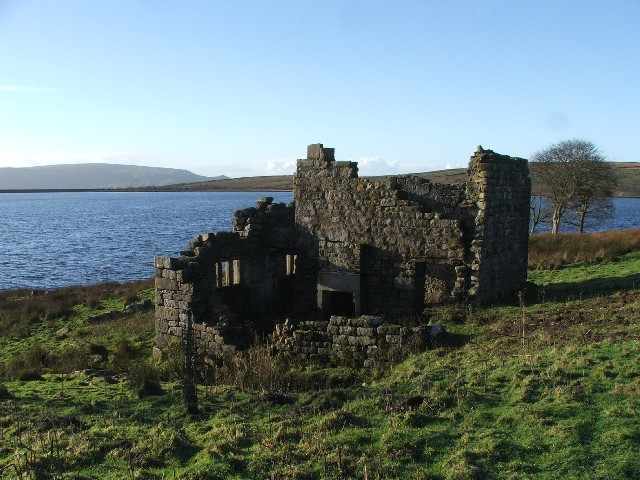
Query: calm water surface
point(50, 240)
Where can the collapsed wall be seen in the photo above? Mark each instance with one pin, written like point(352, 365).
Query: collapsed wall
point(225, 278)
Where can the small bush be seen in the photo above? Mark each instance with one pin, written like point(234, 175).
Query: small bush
point(27, 366)
point(125, 356)
point(30, 376)
point(145, 380)
point(72, 359)
point(4, 392)
point(149, 387)
point(170, 363)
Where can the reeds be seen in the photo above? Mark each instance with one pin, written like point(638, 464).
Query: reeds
point(548, 251)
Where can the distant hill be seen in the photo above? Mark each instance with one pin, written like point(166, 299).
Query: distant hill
point(270, 183)
point(88, 176)
point(628, 176)
point(108, 176)
point(627, 173)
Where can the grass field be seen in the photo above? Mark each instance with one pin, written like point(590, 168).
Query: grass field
point(545, 387)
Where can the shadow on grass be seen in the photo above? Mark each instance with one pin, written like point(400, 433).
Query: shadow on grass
point(566, 291)
point(452, 340)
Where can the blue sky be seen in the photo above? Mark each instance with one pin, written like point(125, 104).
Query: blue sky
point(240, 87)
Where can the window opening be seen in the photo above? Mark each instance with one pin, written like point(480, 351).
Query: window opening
point(290, 264)
point(227, 273)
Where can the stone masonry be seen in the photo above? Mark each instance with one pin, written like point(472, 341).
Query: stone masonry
point(347, 247)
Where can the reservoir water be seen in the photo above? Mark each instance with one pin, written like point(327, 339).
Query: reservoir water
point(50, 240)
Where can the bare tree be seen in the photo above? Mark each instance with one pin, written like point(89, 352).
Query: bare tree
point(575, 177)
point(540, 211)
point(588, 215)
point(595, 182)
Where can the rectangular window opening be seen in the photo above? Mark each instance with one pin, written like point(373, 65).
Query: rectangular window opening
point(290, 264)
point(227, 273)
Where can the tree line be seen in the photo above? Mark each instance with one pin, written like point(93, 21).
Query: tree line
point(575, 183)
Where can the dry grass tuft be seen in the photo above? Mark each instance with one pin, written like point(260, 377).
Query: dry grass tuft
point(547, 251)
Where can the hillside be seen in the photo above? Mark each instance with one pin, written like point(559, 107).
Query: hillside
point(91, 176)
point(628, 175)
point(548, 388)
point(275, 183)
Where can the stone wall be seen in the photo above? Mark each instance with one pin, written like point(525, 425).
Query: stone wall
point(369, 232)
point(407, 243)
point(365, 338)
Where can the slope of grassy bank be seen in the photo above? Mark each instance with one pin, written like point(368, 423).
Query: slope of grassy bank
point(542, 388)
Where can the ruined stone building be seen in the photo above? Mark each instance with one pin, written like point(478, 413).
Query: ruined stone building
point(351, 246)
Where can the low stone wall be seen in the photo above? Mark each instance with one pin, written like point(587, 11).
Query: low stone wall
point(366, 337)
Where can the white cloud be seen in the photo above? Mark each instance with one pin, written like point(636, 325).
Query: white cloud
point(26, 89)
point(376, 165)
point(391, 163)
point(245, 168)
point(281, 166)
point(364, 161)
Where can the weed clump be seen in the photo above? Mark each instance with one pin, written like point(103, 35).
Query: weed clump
point(144, 378)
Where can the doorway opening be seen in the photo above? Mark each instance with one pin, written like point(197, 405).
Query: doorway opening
point(338, 303)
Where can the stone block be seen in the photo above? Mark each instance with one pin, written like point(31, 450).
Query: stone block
point(167, 314)
point(166, 284)
point(348, 330)
point(333, 329)
point(362, 341)
point(340, 321)
point(366, 331)
point(340, 340)
point(393, 339)
point(388, 330)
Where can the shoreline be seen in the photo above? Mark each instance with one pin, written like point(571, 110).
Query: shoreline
point(146, 190)
point(34, 292)
point(179, 190)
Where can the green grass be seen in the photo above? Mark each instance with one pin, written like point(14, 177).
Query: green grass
point(546, 390)
point(586, 279)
